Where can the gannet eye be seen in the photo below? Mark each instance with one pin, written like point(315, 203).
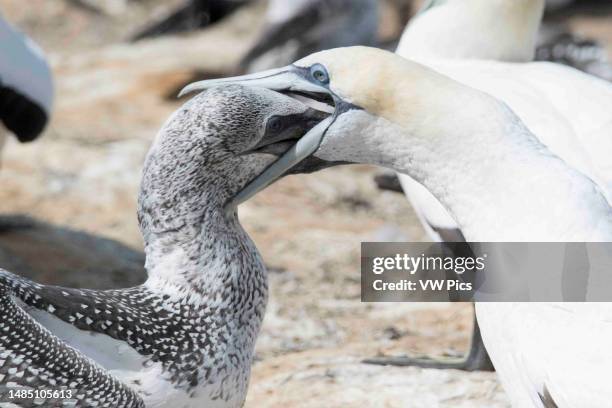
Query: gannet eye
point(319, 73)
point(274, 124)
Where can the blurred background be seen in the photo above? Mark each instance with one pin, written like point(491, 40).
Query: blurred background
point(68, 200)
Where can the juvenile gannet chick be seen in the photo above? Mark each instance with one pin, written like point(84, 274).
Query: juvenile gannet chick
point(185, 337)
point(497, 180)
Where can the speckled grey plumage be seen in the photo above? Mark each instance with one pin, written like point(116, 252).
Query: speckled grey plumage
point(196, 318)
point(33, 358)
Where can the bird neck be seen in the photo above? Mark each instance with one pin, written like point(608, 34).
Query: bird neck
point(195, 249)
point(455, 30)
point(210, 267)
point(496, 179)
point(207, 260)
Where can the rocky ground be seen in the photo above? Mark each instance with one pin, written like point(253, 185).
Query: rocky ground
point(80, 183)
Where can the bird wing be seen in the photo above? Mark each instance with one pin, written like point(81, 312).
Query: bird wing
point(110, 327)
point(438, 223)
point(127, 331)
point(558, 353)
point(33, 357)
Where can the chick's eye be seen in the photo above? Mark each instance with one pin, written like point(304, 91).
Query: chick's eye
point(320, 74)
point(274, 124)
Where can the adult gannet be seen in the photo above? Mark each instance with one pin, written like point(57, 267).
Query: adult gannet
point(187, 16)
point(547, 97)
point(297, 28)
point(499, 182)
point(26, 86)
point(185, 337)
point(447, 35)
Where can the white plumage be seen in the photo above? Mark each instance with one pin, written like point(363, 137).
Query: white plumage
point(544, 353)
point(565, 108)
point(568, 110)
point(501, 184)
point(482, 29)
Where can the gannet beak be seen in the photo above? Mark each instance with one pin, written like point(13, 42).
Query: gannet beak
point(289, 78)
point(304, 147)
point(297, 125)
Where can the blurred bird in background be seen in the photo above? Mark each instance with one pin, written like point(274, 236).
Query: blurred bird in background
point(294, 29)
point(189, 15)
point(557, 43)
point(560, 46)
point(26, 86)
point(26, 94)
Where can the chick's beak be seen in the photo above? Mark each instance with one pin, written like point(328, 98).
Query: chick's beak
point(297, 125)
point(304, 147)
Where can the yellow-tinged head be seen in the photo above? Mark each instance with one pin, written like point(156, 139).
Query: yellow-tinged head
point(380, 82)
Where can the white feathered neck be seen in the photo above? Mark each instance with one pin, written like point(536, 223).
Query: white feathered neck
point(467, 148)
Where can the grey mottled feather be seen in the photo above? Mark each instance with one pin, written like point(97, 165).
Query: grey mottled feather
point(33, 358)
point(198, 315)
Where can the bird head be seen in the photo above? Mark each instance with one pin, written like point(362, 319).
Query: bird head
point(212, 146)
point(369, 90)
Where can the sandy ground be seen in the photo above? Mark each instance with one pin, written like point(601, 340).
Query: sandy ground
point(83, 176)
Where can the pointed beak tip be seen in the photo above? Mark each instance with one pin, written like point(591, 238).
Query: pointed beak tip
point(186, 90)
